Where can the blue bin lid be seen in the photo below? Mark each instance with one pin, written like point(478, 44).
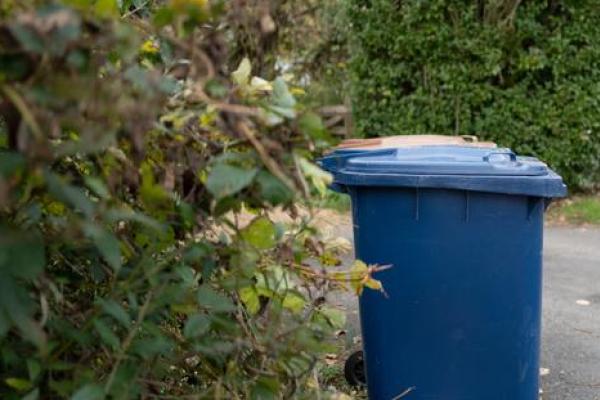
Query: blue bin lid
point(473, 168)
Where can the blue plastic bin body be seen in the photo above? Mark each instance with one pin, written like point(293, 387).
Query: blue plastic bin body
point(462, 316)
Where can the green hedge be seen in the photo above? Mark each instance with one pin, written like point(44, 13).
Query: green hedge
point(526, 76)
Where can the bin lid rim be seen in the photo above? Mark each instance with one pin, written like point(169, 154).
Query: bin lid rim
point(497, 170)
point(443, 160)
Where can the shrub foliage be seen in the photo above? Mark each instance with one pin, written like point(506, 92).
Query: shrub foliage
point(521, 73)
point(139, 173)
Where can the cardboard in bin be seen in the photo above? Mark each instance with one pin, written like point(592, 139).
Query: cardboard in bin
point(413, 141)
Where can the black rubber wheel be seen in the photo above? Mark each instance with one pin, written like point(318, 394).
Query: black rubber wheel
point(354, 369)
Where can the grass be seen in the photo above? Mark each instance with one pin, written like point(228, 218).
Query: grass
point(577, 210)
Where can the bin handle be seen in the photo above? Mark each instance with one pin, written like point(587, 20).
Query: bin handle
point(499, 157)
point(470, 138)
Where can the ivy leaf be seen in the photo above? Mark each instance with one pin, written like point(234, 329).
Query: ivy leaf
point(260, 233)
point(225, 180)
point(241, 75)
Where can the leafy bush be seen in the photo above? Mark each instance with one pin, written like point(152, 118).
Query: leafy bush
point(139, 176)
point(521, 73)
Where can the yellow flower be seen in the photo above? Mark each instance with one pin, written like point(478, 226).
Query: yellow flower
point(149, 47)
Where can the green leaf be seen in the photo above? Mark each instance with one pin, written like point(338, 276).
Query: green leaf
point(210, 299)
point(107, 8)
point(115, 215)
point(294, 301)
point(272, 189)
point(196, 326)
point(4, 323)
point(97, 186)
point(260, 233)
point(265, 389)
point(281, 97)
point(241, 75)
point(106, 243)
point(151, 347)
point(163, 16)
point(319, 178)
point(249, 297)
point(10, 163)
point(71, 195)
point(225, 180)
point(312, 126)
point(116, 311)
point(358, 275)
point(34, 369)
point(51, 30)
point(106, 334)
point(16, 305)
point(196, 253)
point(335, 317)
point(215, 89)
point(18, 384)
point(21, 254)
point(89, 392)
point(33, 395)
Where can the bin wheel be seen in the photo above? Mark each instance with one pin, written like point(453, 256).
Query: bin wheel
point(354, 369)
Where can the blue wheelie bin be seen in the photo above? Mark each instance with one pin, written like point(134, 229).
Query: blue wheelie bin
point(462, 227)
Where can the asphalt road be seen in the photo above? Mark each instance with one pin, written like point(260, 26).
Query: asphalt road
point(571, 323)
point(571, 313)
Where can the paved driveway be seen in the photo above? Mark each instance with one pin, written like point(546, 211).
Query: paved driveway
point(571, 316)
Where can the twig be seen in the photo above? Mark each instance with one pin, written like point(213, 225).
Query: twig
point(226, 107)
point(127, 342)
point(27, 115)
point(271, 164)
point(135, 10)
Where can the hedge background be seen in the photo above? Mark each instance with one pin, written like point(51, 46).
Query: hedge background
point(522, 73)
